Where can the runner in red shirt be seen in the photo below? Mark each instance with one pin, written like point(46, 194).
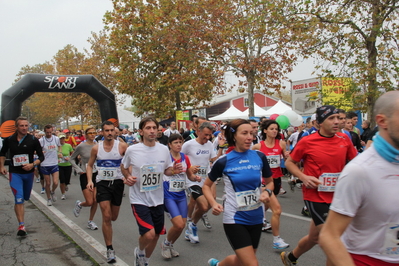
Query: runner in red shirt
point(324, 155)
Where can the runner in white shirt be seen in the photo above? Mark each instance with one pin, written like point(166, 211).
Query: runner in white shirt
point(201, 152)
point(171, 130)
point(364, 208)
point(108, 156)
point(143, 168)
point(49, 167)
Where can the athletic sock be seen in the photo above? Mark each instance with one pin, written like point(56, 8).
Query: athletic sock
point(291, 257)
point(110, 247)
point(275, 238)
point(166, 242)
point(21, 223)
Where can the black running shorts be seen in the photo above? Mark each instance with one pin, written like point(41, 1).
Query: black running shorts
point(318, 211)
point(110, 191)
point(241, 236)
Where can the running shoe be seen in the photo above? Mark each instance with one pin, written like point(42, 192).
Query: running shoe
point(38, 180)
point(165, 251)
point(305, 212)
point(291, 183)
point(21, 230)
point(140, 258)
point(286, 261)
point(173, 251)
point(213, 262)
point(266, 226)
point(53, 196)
point(77, 208)
point(111, 256)
point(63, 197)
point(91, 225)
point(191, 232)
point(49, 202)
point(280, 244)
point(42, 191)
point(66, 188)
point(206, 222)
point(282, 191)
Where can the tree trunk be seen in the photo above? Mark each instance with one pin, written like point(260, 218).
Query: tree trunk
point(251, 88)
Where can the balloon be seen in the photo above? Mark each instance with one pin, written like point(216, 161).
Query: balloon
point(274, 116)
point(283, 121)
point(291, 115)
point(297, 122)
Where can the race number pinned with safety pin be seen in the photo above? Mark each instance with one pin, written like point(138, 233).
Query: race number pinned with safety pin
point(150, 177)
point(20, 159)
point(248, 200)
point(273, 160)
point(328, 181)
point(107, 173)
point(202, 172)
point(177, 185)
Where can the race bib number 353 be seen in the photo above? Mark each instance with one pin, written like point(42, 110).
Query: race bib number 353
point(150, 178)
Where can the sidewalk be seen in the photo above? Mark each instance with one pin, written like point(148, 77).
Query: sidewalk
point(45, 243)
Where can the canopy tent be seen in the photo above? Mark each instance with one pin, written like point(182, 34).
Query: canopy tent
point(128, 118)
point(279, 108)
point(230, 114)
point(258, 111)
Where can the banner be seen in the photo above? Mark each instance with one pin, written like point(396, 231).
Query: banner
point(333, 92)
point(305, 95)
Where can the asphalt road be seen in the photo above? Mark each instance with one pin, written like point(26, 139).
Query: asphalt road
point(213, 243)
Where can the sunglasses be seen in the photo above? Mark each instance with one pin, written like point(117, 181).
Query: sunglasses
point(91, 133)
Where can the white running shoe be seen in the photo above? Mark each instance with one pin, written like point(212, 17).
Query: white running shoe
point(165, 250)
point(280, 244)
point(91, 225)
point(42, 191)
point(205, 221)
point(53, 196)
point(282, 191)
point(111, 258)
point(49, 202)
point(77, 208)
point(140, 258)
point(192, 233)
point(173, 251)
point(63, 197)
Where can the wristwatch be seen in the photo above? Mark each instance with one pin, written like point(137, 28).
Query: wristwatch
point(268, 191)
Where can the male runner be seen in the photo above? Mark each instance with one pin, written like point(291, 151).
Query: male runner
point(201, 152)
point(21, 146)
point(49, 167)
point(324, 155)
point(366, 198)
point(108, 156)
point(143, 167)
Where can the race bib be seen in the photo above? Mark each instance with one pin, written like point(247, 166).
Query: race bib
point(177, 185)
point(203, 172)
point(20, 159)
point(391, 241)
point(273, 160)
point(328, 181)
point(107, 173)
point(248, 200)
point(150, 178)
point(63, 159)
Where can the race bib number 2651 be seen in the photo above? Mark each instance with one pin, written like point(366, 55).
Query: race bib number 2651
point(150, 178)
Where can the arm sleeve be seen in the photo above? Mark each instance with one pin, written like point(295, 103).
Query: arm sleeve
point(72, 160)
point(217, 168)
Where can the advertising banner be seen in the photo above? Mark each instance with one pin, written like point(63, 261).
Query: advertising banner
point(306, 95)
point(333, 92)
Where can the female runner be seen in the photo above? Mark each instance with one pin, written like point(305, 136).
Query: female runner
point(242, 170)
point(273, 148)
point(83, 150)
point(175, 200)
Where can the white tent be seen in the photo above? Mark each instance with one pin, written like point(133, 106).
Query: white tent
point(230, 114)
point(279, 108)
point(259, 111)
point(128, 118)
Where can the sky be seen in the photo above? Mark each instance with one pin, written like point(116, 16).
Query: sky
point(33, 31)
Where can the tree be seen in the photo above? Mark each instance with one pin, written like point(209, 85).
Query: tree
point(161, 59)
point(354, 38)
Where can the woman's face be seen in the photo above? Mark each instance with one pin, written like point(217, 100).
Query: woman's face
point(243, 137)
point(176, 145)
point(271, 131)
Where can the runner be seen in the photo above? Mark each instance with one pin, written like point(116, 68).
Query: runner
point(274, 149)
point(84, 150)
point(107, 155)
point(365, 199)
point(49, 167)
point(324, 155)
point(242, 170)
point(201, 153)
point(175, 196)
point(142, 168)
point(21, 147)
point(64, 165)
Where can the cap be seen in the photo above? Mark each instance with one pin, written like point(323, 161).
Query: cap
point(325, 111)
point(61, 136)
point(313, 118)
point(66, 131)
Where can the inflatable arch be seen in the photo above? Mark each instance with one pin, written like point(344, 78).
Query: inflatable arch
point(12, 99)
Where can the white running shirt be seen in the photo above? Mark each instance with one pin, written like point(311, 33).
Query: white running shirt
point(108, 164)
point(50, 150)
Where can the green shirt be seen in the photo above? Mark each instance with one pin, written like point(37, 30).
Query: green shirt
point(66, 150)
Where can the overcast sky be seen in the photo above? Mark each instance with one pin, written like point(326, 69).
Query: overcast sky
point(33, 31)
